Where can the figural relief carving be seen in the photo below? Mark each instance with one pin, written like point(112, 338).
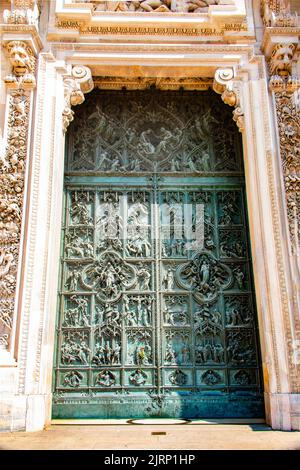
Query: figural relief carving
point(19, 84)
point(157, 6)
point(12, 168)
point(146, 315)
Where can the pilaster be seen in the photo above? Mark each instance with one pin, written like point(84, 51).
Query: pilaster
point(281, 48)
point(19, 37)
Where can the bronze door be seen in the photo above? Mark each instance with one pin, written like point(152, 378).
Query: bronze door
point(156, 318)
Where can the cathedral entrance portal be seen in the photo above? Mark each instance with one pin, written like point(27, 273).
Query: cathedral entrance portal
point(156, 302)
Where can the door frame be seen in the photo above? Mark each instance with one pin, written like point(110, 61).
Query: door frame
point(38, 272)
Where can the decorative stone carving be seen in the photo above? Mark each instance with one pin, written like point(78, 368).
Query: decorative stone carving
point(224, 85)
point(281, 60)
point(75, 85)
point(144, 83)
point(276, 13)
point(12, 169)
point(280, 44)
point(23, 65)
point(289, 133)
point(156, 6)
point(284, 85)
point(22, 12)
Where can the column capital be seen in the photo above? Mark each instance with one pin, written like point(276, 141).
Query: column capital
point(78, 82)
point(226, 86)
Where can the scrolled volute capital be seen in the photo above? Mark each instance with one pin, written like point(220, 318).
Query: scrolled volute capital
point(222, 80)
point(83, 77)
point(76, 85)
point(225, 86)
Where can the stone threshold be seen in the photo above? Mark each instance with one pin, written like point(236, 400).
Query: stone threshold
point(164, 422)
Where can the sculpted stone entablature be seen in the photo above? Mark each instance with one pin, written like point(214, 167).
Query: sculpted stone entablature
point(92, 7)
point(144, 83)
point(153, 6)
point(220, 19)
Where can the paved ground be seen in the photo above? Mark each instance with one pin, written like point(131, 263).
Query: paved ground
point(184, 436)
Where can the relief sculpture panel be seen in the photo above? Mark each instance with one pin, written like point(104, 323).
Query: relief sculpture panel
point(154, 321)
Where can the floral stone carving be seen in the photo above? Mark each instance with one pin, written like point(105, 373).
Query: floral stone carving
point(12, 169)
point(289, 134)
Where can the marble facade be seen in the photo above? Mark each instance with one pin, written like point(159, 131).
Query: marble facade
point(53, 53)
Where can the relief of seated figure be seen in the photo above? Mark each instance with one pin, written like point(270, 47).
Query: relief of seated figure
point(192, 6)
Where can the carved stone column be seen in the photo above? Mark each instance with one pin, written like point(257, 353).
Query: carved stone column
point(280, 43)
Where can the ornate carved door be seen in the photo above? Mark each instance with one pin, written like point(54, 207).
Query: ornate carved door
point(156, 303)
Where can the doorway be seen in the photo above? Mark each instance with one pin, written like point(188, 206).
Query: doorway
point(156, 303)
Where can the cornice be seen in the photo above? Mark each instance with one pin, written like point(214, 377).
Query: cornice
point(143, 83)
point(228, 20)
point(152, 47)
point(274, 36)
point(22, 32)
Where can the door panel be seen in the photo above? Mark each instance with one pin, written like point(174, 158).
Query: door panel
point(153, 322)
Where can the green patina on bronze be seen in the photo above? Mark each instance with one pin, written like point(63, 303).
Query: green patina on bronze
point(150, 324)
